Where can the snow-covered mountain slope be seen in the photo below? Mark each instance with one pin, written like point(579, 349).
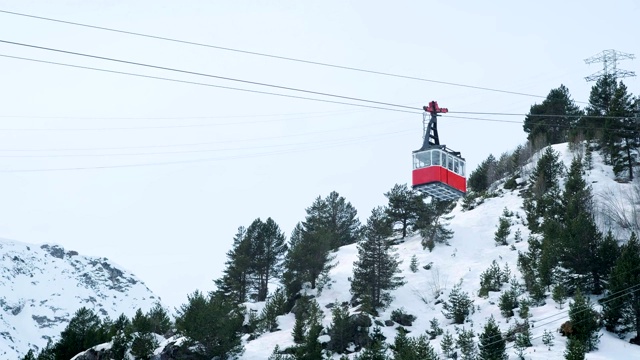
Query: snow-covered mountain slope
point(41, 287)
point(471, 252)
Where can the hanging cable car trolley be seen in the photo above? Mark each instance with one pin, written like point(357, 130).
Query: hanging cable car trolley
point(438, 171)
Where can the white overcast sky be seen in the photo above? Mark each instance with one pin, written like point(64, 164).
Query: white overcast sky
point(262, 156)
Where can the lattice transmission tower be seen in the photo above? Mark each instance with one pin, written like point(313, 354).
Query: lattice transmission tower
point(610, 60)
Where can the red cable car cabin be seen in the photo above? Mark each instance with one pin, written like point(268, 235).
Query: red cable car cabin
point(438, 171)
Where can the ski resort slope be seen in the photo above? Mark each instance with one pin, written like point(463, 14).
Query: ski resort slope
point(471, 252)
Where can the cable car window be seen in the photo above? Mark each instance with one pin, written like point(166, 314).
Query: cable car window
point(450, 162)
point(462, 168)
point(456, 166)
point(427, 158)
point(436, 157)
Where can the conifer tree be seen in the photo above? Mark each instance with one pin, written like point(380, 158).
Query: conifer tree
point(268, 247)
point(503, 231)
point(581, 241)
point(336, 217)
point(159, 321)
point(584, 322)
point(543, 123)
point(576, 350)
point(458, 306)
point(423, 349)
point(403, 208)
point(483, 176)
point(236, 276)
point(559, 294)
point(143, 345)
point(544, 190)
point(82, 332)
point(275, 306)
point(377, 350)
point(466, 344)
point(214, 323)
point(310, 348)
point(413, 266)
point(492, 344)
point(407, 348)
point(341, 329)
point(627, 139)
point(547, 338)
point(622, 307)
point(600, 101)
point(375, 271)
point(433, 223)
point(447, 344)
point(402, 346)
point(307, 260)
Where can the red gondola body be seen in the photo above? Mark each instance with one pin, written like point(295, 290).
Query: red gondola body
point(441, 175)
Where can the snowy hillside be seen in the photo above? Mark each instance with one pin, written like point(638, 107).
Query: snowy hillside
point(471, 252)
point(41, 287)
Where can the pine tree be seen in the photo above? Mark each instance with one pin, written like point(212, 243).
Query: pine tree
point(600, 101)
point(341, 329)
point(576, 350)
point(543, 123)
point(559, 294)
point(584, 322)
point(458, 306)
point(308, 259)
point(140, 322)
point(523, 338)
point(407, 348)
point(159, 321)
point(447, 344)
point(377, 350)
point(483, 176)
point(580, 238)
point(236, 276)
point(402, 346)
point(492, 344)
point(622, 307)
point(413, 266)
point(310, 348)
point(275, 306)
point(433, 223)
point(336, 217)
point(435, 329)
point(547, 338)
point(468, 348)
point(404, 207)
point(627, 139)
point(375, 271)
point(503, 231)
point(143, 345)
point(214, 322)
point(82, 332)
point(423, 349)
point(524, 305)
point(544, 190)
point(267, 249)
point(508, 302)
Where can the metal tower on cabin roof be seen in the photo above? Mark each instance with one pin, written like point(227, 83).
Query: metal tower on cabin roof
point(610, 59)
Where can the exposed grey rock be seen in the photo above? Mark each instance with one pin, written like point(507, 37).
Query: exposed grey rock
point(55, 251)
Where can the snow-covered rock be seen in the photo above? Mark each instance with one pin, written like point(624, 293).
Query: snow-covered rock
point(41, 287)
